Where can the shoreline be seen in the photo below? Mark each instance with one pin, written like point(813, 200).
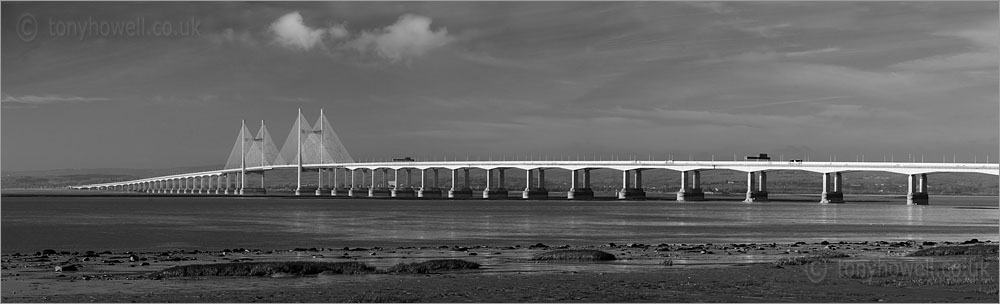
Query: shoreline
point(642, 272)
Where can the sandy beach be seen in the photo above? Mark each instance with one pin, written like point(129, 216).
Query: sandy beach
point(864, 271)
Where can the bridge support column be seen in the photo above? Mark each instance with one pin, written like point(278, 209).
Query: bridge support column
point(690, 187)
point(228, 184)
point(426, 191)
point(493, 190)
point(354, 190)
point(255, 190)
point(755, 191)
point(402, 188)
point(489, 183)
point(381, 190)
point(495, 187)
point(320, 189)
point(338, 188)
point(537, 192)
point(834, 195)
point(761, 194)
point(576, 190)
point(633, 191)
point(240, 182)
point(464, 191)
point(917, 190)
point(218, 184)
point(502, 185)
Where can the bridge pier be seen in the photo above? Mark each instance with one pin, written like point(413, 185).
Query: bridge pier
point(433, 190)
point(320, 190)
point(339, 189)
point(537, 192)
point(577, 192)
point(218, 184)
point(835, 195)
point(201, 185)
point(381, 190)
point(495, 188)
point(635, 191)
point(355, 190)
point(690, 187)
point(255, 190)
point(465, 191)
point(229, 184)
point(756, 192)
point(402, 189)
point(916, 193)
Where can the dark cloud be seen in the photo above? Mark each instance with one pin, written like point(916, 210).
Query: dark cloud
point(506, 77)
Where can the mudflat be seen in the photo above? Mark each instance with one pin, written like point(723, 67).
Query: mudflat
point(864, 271)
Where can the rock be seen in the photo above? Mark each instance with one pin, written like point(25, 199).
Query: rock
point(824, 243)
point(144, 264)
point(49, 252)
point(537, 246)
point(67, 268)
point(133, 258)
point(472, 253)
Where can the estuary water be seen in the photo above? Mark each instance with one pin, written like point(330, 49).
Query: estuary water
point(157, 223)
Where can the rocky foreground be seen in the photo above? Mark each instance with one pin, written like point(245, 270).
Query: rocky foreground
point(867, 271)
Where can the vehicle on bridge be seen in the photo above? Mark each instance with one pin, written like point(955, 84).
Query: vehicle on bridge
point(762, 156)
point(404, 159)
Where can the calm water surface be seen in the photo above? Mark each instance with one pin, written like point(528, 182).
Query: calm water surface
point(31, 224)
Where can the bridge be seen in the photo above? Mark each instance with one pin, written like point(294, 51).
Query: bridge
point(317, 149)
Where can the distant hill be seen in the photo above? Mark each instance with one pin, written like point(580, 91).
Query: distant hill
point(61, 178)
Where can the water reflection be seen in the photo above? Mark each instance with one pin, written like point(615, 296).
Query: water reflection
point(32, 224)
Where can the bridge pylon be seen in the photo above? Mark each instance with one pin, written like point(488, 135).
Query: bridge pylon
point(312, 145)
point(252, 154)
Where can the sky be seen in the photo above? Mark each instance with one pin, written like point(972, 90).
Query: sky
point(500, 79)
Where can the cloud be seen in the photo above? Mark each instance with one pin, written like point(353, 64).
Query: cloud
point(767, 31)
point(982, 56)
point(410, 37)
point(785, 102)
point(34, 100)
point(290, 31)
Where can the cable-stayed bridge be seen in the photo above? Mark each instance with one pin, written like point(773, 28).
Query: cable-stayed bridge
point(316, 148)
